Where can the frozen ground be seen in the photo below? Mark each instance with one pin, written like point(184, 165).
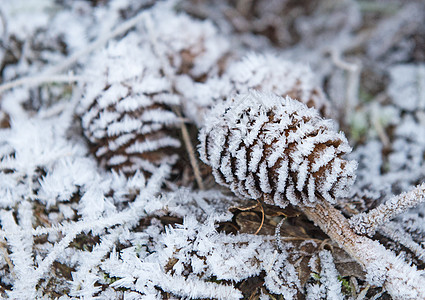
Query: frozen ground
point(103, 195)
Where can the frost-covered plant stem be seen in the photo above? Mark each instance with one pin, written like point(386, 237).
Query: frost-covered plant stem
point(37, 80)
point(75, 57)
point(191, 153)
point(367, 223)
point(99, 42)
point(383, 267)
point(394, 231)
point(353, 81)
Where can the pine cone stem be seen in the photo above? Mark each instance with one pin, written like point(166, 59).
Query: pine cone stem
point(382, 266)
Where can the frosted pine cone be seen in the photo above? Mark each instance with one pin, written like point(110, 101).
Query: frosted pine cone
point(266, 73)
point(192, 46)
point(282, 77)
point(264, 146)
point(126, 112)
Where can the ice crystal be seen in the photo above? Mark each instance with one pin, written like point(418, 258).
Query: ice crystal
point(330, 286)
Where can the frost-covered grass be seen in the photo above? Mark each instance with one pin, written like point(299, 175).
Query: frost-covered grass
point(102, 101)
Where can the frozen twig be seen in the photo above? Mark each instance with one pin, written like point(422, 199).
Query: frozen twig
point(262, 218)
point(378, 126)
point(20, 245)
point(45, 264)
point(367, 223)
point(353, 81)
point(128, 216)
point(36, 80)
point(49, 74)
point(396, 233)
point(421, 86)
point(156, 47)
point(90, 261)
point(383, 267)
point(363, 293)
point(277, 234)
point(192, 158)
point(122, 28)
point(330, 286)
point(191, 152)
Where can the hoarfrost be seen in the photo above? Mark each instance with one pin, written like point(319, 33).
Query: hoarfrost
point(330, 286)
point(73, 228)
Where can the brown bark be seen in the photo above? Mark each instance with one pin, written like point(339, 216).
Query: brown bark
point(383, 268)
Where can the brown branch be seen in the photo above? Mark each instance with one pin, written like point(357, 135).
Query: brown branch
point(37, 80)
point(262, 218)
point(353, 70)
point(191, 153)
point(395, 232)
point(49, 73)
point(367, 223)
point(383, 267)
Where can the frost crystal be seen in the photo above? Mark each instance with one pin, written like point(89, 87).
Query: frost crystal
point(330, 286)
point(194, 253)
